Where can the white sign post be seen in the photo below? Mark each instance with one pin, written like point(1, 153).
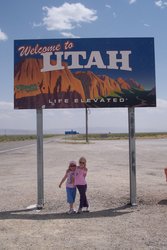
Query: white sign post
point(132, 156)
point(86, 116)
point(40, 179)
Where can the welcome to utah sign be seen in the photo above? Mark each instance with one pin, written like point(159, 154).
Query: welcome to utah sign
point(89, 72)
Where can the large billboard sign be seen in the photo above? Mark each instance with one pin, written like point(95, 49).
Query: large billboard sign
point(88, 72)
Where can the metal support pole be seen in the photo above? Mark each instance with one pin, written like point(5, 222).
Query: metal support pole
point(86, 109)
point(132, 156)
point(40, 179)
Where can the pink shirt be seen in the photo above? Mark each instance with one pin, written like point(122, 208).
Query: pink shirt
point(70, 179)
point(80, 175)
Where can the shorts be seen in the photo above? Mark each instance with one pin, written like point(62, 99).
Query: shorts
point(71, 194)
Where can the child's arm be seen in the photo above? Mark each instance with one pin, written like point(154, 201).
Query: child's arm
point(63, 180)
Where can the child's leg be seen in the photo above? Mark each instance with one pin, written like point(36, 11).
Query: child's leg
point(71, 194)
point(71, 206)
point(83, 199)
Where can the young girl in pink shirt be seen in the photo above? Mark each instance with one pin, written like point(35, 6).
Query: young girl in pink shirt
point(80, 183)
point(70, 185)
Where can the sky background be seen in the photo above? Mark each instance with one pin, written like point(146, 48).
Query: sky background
point(41, 19)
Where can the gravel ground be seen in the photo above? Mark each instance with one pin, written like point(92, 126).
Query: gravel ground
point(111, 222)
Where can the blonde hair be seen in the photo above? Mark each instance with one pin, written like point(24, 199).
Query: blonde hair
point(82, 159)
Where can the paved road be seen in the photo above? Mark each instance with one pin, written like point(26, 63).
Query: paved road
point(17, 145)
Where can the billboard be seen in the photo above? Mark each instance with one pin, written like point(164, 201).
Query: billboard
point(87, 72)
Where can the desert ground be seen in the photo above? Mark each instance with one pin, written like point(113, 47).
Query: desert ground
point(111, 223)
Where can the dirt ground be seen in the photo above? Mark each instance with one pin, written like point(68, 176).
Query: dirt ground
point(111, 222)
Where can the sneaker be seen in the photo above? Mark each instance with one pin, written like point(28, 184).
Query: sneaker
point(86, 210)
point(71, 211)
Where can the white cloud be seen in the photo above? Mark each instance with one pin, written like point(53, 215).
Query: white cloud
point(146, 25)
point(114, 15)
point(108, 6)
point(67, 16)
point(36, 24)
point(132, 1)
point(3, 36)
point(161, 4)
point(69, 35)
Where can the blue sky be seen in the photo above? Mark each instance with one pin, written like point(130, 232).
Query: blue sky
point(41, 19)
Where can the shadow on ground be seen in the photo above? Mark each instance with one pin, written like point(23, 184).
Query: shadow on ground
point(26, 214)
point(162, 202)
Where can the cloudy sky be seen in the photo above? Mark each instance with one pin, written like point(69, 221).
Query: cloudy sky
point(43, 19)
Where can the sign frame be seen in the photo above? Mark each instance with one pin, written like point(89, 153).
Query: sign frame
point(84, 73)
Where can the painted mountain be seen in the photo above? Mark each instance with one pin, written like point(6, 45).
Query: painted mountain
point(64, 89)
point(35, 89)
